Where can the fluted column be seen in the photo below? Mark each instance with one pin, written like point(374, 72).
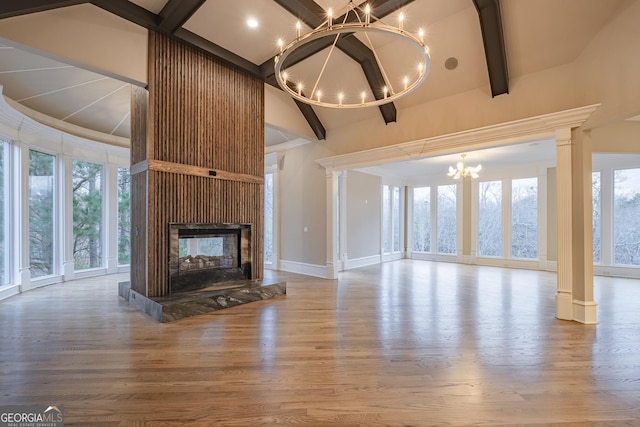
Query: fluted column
point(574, 297)
point(564, 297)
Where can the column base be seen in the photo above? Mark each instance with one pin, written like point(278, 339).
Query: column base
point(585, 312)
point(332, 270)
point(564, 306)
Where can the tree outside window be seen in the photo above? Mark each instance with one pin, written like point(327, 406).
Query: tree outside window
point(87, 215)
point(422, 219)
point(524, 218)
point(41, 213)
point(124, 216)
point(626, 211)
point(447, 219)
point(490, 219)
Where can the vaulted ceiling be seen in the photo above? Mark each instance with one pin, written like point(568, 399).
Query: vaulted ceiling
point(490, 40)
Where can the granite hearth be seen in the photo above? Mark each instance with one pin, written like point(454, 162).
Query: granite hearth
point(185, 304)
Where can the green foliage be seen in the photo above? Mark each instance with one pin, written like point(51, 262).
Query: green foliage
point(124, 216)
point(87, 215)
point(41, 202)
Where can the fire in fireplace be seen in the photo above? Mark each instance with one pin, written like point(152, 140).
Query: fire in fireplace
point(201, 255)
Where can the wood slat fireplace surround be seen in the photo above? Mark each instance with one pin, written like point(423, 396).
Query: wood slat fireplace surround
point(197, 154)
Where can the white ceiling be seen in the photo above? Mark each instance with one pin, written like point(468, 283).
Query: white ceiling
point(539, 34)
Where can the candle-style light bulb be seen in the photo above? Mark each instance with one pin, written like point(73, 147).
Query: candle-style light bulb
point(385, 91)
point(420, 34)
point(401, 21)
point(363, 95)
point(280, 44)
point(367, 13)
point(298, 28)
point(330, 16)
point(299, 89)
point(340, 97)
point(420, 67)
point(319, 94)
point(406, 82)
point(285, 76)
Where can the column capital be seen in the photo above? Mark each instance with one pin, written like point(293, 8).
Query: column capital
point(563, 136)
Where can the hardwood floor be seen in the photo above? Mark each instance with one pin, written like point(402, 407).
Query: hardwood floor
point(408, 343)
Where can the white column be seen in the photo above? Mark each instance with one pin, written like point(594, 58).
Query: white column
point(344, 257)
point(564, 306)
point(20, 212)
point(110, 217)
point(332, 224)
point(66, 207)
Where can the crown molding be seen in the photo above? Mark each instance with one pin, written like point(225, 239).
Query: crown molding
point(537, 127)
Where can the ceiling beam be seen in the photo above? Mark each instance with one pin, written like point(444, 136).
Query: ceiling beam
point(129, 11)
point(11, 8)
point(312, 118)
point(493, 39)
point(176, 12)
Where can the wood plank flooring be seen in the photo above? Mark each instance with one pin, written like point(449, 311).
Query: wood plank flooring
point(408, 343)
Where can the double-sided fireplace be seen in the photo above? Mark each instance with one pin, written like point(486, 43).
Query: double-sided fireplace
point(202, 255)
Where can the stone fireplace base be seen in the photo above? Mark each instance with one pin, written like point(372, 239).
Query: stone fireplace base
point(206, 300)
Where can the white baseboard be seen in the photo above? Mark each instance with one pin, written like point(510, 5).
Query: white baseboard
point(427, 256)
point(362, 262)
point(303, 268)
point(627, 272)
point(391, 257)
point(9, 291)
point(38, 283)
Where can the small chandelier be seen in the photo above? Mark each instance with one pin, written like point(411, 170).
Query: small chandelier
point(357, 21)
point(464, 171)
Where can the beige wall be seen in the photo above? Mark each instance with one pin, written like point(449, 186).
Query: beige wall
point(363, 215)
point(620, 137)
point(303, 204)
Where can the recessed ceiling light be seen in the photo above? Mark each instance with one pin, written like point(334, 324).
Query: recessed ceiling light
point(252, 23)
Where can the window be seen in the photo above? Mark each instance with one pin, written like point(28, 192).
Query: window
point(626, 211)
point(524, 218)
point(490, 219)
point(268, 218)
point(41, 214)
point(4, 206)
point(596, 200)
point(422, 219)
point(386, 219)
point(87, 215)
point(446, 219)
point(124, 216)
